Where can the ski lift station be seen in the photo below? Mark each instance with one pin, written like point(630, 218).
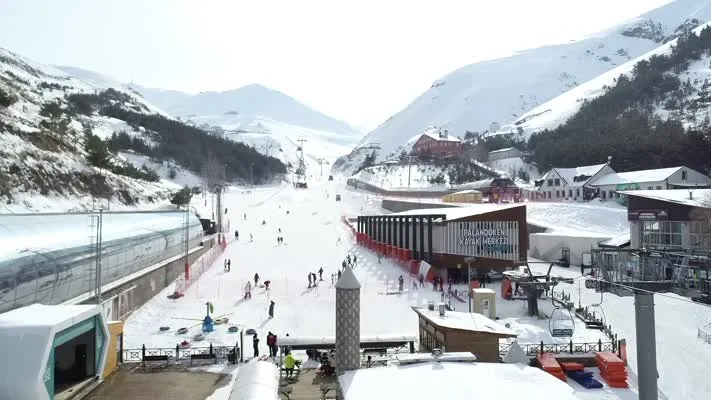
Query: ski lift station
point(452, 240)
point(42, 344)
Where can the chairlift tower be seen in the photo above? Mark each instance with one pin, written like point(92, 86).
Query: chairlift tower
point(300, 172)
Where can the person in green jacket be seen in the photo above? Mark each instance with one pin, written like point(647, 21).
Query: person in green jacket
point(289, 364)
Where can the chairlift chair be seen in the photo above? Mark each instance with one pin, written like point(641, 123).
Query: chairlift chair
point(561, 322)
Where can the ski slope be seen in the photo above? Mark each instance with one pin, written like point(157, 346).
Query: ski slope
point(311, 231)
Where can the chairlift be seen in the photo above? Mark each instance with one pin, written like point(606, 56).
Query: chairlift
point(561, 322)
point(598, 314)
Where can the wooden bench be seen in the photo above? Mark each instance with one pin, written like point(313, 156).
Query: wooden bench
point(162, 357)
point(286, 391)
point(207, 356)
point(326, 389)
point(379, 351)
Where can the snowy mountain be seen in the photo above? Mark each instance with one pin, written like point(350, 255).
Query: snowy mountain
point(55, 152)
point(485, 95)
point(555, 112)
point(252, 101)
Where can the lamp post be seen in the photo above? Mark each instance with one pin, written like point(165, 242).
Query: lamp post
point(469, 260)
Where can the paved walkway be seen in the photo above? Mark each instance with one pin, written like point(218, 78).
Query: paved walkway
point(158, 384)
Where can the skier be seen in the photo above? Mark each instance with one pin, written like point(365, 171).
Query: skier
point(333, 279)
point(279, 230)
point(400, 281)
point(320, 273)
point(237, 235)
point(287, 212)
point(355, 260)
point(256, 279)
point(266, 285)
point(248, 290)
point(255, 344)
point(251, 238)
point(271, 309)
point(264, 222)
point(348, 260)
point(422, 280)
point(310, 280)
point(339, 274)
point(224, 267)
point(245, 216)
point(229, 265)
point(343, 264)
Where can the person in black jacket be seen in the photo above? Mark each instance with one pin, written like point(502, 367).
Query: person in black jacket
point(255, 344)
point(271, 309)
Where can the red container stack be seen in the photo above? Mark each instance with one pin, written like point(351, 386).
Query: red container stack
point(612, 369)
point(551, 365)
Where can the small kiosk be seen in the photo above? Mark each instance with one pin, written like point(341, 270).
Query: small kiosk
point(50, 349)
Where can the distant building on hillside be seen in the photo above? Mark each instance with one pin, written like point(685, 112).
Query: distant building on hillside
point(571, 183)
point(437, 142)
point(651, 179)
point(501, 154)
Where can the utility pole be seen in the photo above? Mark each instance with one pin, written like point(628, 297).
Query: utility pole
point(186, 240)
point(646, 345)
point(99, 242)
point(409, 168)
point(320, 163)
point(469, 260)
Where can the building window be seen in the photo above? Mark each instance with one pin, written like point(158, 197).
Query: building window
point(602, 194)
point(557, 181)
point(659, 188)
point(610, 194)
point(549, 195)
point(683, 175)
point(550, 182)
point(557, 194)
point(570, 193)
point(650, 188)
point(661, 234)
point(577, 192)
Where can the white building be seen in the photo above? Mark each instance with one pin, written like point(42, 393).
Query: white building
point(571, 183)
point(651, 179)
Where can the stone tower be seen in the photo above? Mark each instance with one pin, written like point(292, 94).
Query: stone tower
point(347, 322)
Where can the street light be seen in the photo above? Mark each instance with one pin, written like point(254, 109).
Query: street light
point(469, 260)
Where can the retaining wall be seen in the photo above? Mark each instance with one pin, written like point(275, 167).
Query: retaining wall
point(150, 281)
point(547, 247)
point(397, 193)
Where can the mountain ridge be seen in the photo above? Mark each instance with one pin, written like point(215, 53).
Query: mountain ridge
point(483, 96)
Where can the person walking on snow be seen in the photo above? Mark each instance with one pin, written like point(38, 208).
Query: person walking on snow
point(248, 290)
point(333, 279)
point(313, 277)
point(310, 280)
point(256, 279)
point(348, 259)
point(422, 280)
point(266, 285)
point(343, 264)
point(400, 282)
point(229, 264)
point(245, 216)
point(355, 260)
point(255, 345)
point(251, 238)
point(320, 273)
point(339, 274)
point(271, 309)
point(237, 235)
point(224, 267)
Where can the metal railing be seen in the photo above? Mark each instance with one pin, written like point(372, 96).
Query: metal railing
point(174, 354)
point(705, 336)
point(532, 349)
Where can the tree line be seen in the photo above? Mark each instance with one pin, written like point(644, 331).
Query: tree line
point(188, 146)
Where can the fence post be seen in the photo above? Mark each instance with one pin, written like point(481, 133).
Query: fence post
point(143, 352)
point(210, 348)
point(177, 352)
point(599, 345)
point(541, 347)
point(571, 346)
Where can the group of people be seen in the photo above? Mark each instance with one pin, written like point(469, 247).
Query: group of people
point(248, 286)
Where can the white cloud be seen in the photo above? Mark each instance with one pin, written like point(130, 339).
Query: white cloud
point(360, 61)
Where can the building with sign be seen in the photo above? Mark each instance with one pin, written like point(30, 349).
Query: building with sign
point(610, 185)
point(496, 236)
point(50, 350)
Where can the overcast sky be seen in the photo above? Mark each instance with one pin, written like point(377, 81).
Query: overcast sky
point(360, 61)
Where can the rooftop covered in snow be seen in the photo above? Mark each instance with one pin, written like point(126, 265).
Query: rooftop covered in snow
point(456, 213)
point(578, 176)
point(643, 176)
point(687, 197)
point(464, 321)
point(452, 380)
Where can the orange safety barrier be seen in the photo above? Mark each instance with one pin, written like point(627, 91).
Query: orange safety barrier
point(506, 290)
point(551, 365)
point(612, 369)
